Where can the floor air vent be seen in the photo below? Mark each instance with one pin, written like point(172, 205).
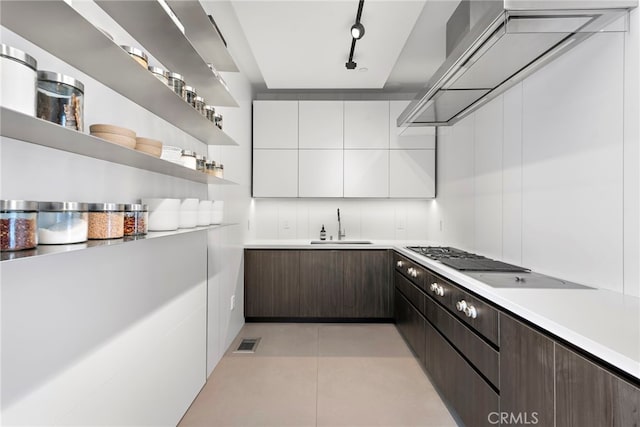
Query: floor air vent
point(247, 345)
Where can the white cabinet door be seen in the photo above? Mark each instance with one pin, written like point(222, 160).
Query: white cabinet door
point(320, 173)
point(321, 124)
point(412, 173)
point(275, 173)
point(411, 137)
point(366, 173)
point(275, 124)
point(366, 124)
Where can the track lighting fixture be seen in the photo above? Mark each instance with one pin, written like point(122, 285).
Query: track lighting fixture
point(357, 31)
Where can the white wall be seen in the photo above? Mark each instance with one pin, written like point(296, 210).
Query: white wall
point(361, 219)
point(119, 335)
point(546, 175)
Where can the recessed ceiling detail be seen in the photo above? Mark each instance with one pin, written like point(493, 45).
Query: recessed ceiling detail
point(300, 44)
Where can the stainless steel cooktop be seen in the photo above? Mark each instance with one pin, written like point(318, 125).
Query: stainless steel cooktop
point(464, 261)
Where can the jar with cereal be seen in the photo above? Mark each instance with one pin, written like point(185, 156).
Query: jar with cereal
point(106, 221)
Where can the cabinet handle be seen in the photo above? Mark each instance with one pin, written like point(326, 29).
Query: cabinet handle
point(461, 305)
point(437, 289)
point(470, 311)
point(399, 264)
point(412, 272)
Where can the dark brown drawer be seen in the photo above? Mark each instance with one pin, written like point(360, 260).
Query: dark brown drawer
point(411, 270)
point(478, 314)
point(410, 291)
point(477, 351)
point(470, 395)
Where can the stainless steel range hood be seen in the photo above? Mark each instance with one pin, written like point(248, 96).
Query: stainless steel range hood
point(492, 45)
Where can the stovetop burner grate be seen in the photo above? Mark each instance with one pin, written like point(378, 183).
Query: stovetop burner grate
point(464, 261)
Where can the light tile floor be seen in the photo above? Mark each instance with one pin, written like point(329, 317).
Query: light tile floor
point(319, 375)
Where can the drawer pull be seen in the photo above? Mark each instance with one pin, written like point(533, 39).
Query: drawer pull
point(412, 272)
point(470, 311)
point(437, 289)
point(399, 264)
point(461, 305)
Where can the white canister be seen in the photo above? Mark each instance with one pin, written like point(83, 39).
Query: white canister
point(188, 213)
point(217, 212)
point(164, 214)
point(19, 77)
point(204, 212)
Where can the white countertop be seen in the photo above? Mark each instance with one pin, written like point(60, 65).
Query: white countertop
point(603, 323)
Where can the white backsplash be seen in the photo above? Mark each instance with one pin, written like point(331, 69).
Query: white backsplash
point(286, 219)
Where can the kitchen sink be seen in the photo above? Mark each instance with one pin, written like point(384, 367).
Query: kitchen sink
point(341, 242)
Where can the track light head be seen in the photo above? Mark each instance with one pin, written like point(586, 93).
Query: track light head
point(351, 65)
point(357, 31)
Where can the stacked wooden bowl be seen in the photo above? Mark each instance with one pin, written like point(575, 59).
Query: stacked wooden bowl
point(115, 134)
point(149, 146)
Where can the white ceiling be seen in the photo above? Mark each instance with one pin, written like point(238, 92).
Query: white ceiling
point(408, 69)
point(304, 44)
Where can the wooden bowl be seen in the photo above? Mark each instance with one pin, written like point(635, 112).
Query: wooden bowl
point(116, 130)
point(149, 146)
point(125, 141)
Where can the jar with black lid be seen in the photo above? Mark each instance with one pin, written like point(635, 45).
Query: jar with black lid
point(18, 225)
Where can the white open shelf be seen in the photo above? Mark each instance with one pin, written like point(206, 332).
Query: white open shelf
point(60, 30)
point(150, 25)
point(41, 132)
point(203, 34)
point(43, 250)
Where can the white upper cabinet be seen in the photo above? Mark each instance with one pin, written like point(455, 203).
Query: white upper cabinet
point(366, 173)
point(321, 173)
point(275, 173)
point(275, 124)
point(412, 173)
point(366, 124)
point(410, 137)
point(321, 124)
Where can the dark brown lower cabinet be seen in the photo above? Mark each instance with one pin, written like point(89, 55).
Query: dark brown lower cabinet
point(272, 283)
point(475, 402)
point(321, 283)
point(589, 396)
point(526, 373)
point(368, 292)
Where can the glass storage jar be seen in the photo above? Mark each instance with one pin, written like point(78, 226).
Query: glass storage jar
point(210, 167)
point(106, 220)
point(209, 111)
point(176, 83)
point(136, 218)
point(61, 100)
point(160, 73)
point(61, 223)
point(217, 118)
point(200, 163)
point(18, 80)
point(199, 104)
point(188, 159)
point(137, 54)
point(219, 171)
point(18, 225)
point(190, 95)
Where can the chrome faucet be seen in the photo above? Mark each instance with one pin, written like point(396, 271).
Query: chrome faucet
point(341, 232)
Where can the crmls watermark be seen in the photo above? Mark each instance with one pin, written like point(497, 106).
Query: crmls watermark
point(513, 418)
